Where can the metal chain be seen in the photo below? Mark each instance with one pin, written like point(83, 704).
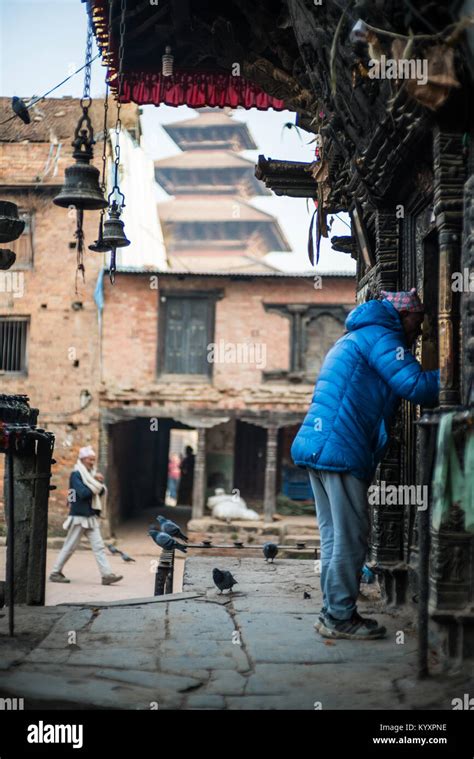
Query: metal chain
point(103, 184)
point(118, 123)
point(86, 97)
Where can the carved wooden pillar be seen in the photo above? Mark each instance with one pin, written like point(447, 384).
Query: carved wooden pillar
point(386, 253)
point(451, 575)
point(269, 497)
point(199, 482)
point(449, 173)
point(467, 300)
point(387, 520)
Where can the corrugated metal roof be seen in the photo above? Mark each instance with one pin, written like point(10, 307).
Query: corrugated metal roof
point(280, 275)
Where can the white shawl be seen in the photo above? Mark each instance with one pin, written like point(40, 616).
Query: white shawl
point(99, 502)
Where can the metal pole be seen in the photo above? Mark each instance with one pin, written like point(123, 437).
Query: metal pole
point(169, 579)
point(428, 437)
point(164, 570)
point(11, 546)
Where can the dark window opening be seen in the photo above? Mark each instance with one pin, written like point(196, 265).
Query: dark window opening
point(13, 336)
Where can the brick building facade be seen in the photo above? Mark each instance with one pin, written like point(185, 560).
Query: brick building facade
point(114, 382)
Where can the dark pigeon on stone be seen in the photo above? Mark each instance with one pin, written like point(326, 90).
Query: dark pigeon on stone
point(223, 579)
point(270, 551)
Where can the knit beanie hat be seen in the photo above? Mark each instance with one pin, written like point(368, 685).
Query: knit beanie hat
point(404, 301)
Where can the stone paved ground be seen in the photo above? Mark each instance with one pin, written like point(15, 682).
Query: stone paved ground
point(253, 649)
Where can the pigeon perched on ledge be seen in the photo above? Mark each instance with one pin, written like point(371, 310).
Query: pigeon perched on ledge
point(171, 528)
point(166, 541)
point(223, 580)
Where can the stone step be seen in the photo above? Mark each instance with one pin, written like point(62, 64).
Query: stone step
point(208, 524)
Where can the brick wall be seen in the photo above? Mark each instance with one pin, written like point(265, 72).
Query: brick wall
point(131, 329)
point(62, 352)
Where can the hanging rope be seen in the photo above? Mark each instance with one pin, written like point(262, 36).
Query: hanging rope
point(85, 104)
point(114, 203)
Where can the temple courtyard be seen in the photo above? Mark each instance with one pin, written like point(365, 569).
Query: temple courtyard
point(253, 649)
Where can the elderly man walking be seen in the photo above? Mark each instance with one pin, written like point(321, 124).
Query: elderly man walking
point(346, 433)
point(86, 494)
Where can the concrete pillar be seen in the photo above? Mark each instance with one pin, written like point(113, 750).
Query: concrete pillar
point(269, 497)
point(199, 482)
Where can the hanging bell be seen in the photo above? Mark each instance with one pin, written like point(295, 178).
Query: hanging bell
point(7, 258)
point(114, 235)
point(81, 188)
point(11, 226)
point(99, 246)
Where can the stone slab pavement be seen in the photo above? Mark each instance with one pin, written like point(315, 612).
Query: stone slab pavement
point(255, 648)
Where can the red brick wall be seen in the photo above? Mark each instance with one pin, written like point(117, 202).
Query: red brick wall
point(131, 326)
point(58, 334)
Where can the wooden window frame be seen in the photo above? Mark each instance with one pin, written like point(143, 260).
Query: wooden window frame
point(164, 295)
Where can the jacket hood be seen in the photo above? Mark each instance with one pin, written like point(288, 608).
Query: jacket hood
point(374, 312)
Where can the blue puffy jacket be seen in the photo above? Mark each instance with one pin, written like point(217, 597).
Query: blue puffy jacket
point(362, 379)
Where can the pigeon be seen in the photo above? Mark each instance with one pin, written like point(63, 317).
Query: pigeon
point(112, 549)
point(166, 541)
point(125, 556)
point(223, 580)
point(171, 528)
point(20, 109)
point(270, 550)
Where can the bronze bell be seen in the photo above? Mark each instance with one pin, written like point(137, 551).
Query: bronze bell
point(99, 246)
point(11, 226)
point(81, 188)
point(114, 235)
point(7, 258)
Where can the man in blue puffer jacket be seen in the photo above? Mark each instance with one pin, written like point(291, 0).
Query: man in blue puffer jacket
point(346, 433)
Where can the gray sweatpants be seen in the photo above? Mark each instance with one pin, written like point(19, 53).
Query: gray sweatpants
point(343, 518)
point(72, 541)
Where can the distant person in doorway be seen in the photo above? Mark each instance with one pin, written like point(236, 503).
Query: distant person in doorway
point(345, 435)
point(185, 490)
point(174, 473)
point(87, 494)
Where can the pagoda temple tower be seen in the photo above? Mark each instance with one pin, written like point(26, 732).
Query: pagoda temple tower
point(210, 224)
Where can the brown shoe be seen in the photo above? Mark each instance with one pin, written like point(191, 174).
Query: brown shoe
point(58, 577)
point(110, 579)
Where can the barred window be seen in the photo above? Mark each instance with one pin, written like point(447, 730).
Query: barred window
point(13, 337)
